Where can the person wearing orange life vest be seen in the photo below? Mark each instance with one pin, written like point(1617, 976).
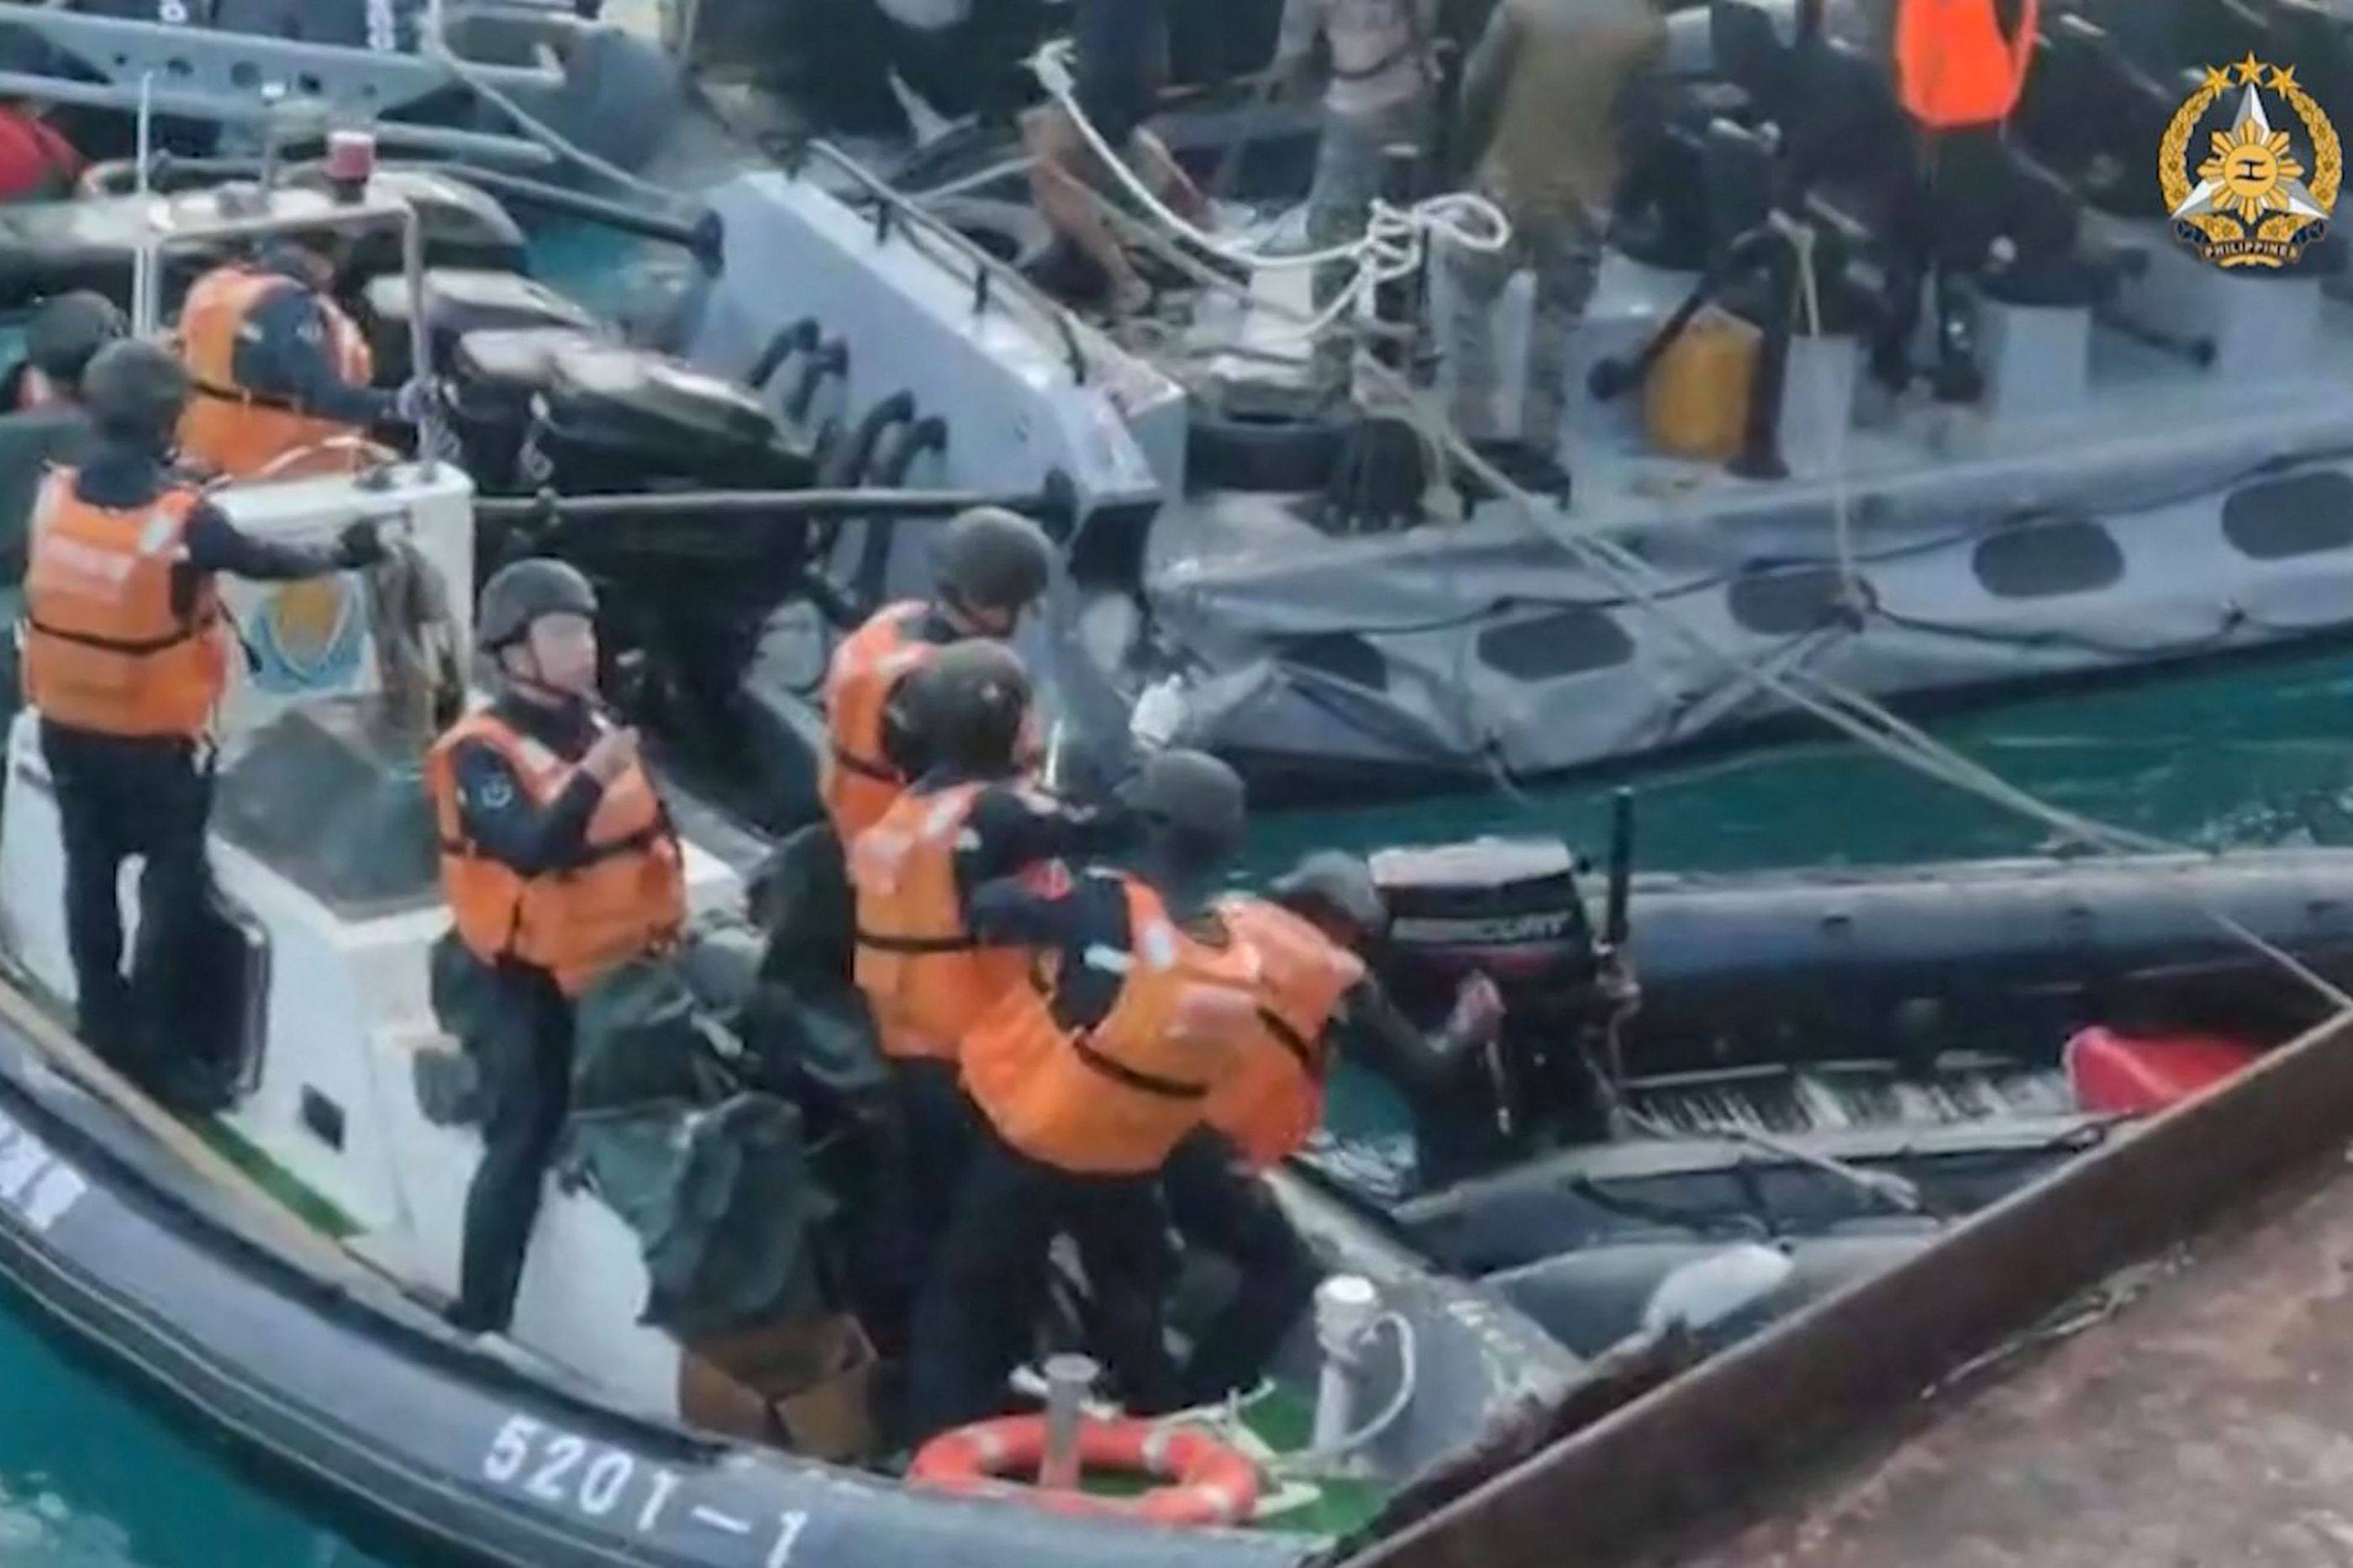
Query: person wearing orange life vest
point(1960, 68)
point(1317, 1000)
point(1961, 64)
point(560, 864)
point(279, 368)
point(125, 657)
point(993, 564)
point(1082, 1078)
point(927, 978)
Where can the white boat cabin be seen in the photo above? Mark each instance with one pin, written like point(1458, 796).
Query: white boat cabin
point(325, 860)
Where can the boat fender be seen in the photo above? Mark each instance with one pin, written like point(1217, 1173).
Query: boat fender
point(2115, 1073)
point(1209, 1482)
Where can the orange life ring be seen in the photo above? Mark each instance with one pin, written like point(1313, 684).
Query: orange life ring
point(1209, 1482)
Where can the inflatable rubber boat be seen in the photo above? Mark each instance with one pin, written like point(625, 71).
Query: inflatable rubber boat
point(288, 1295)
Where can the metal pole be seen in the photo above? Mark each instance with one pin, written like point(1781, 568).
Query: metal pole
point(142, 261)
point(202, 106)
point(816, 503)
point(432, 440)
point(1067, 1378)
point(692, 233)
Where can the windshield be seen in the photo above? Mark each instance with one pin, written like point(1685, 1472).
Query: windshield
point(332, 796)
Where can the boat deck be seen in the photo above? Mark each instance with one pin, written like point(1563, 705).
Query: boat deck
point(2208, 1420)
point(2283, 389)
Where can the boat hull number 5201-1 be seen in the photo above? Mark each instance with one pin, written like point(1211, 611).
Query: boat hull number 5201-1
point(598, 1482)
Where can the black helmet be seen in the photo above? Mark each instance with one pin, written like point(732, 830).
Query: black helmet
point(992, 559)
point(967, 705)
point(134, 392)
point(67, 330)
point(1196, 801)
point(1340, 884)
point(520, 594)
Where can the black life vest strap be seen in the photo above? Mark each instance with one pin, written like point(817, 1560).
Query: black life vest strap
point(1310, 1060)
point(246, 398)
point(132, 646)
point(1130, 1078)
point(914, 945)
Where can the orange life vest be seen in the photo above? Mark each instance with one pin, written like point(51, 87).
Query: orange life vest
point(1114, 1101)
point(627, 898)
point(1275, 1099)
point(234, 430)
point(926, 981)
point(860, 784)
point(105, 649)
point(1954, 68)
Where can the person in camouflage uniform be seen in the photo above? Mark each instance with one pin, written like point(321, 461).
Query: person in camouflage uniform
point(1538, 133)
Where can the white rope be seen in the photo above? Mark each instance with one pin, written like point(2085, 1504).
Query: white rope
point(1390, 248)
point(1851, 713)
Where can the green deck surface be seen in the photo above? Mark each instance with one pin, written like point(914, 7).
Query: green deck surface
point(1283, 1421)
point(276, 1180)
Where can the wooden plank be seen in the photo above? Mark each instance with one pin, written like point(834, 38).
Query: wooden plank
point(1714, 1437)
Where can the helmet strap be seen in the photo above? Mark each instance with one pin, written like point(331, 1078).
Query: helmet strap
point(532, 684)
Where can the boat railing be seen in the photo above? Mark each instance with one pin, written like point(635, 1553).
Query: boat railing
point(990, 278)
point(178, 69)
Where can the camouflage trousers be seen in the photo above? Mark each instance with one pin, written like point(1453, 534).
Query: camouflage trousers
point(1563, 247)
point(1349, 168)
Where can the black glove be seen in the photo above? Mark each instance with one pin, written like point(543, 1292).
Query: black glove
point(358, 545)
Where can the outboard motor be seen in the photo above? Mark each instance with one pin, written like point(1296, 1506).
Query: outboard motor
point(457, 301)
point(1511, 907)
point(612, 419)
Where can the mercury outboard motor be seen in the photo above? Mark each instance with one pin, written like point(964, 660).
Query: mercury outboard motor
point(1510, 909)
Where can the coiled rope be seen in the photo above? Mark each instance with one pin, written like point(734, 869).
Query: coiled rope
point(1391, 247)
